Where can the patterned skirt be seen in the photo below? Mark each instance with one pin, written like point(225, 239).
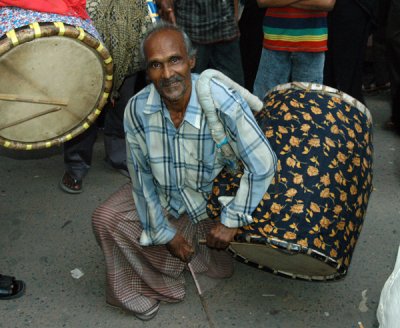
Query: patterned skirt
point(137, 276)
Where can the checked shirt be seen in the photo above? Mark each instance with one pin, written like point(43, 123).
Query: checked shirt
point(207, 21)
point(173, 168)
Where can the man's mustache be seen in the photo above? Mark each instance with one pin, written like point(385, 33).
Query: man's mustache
point(170, 81)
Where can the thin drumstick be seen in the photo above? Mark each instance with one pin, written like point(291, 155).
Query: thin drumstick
point(202, 299)
point(30, 117)
point(32, 100)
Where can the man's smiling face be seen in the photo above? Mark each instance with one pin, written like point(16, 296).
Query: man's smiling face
point(169, 65)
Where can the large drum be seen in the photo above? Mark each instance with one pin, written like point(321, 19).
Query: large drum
point(55, 78)
point(308, 222)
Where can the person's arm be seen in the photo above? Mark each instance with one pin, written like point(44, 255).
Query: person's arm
point(236, 9)
point(156, 228)
point(259, 161)
point(276, 3)
point(166, 10)
point(321, 5)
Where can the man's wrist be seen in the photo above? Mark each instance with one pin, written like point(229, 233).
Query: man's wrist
point(233, 219)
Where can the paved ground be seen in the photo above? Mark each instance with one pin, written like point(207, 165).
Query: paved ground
point(46, 233)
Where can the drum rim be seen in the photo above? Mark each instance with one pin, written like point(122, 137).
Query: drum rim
point(16, 37)
point(294, 248)
point(309, 86)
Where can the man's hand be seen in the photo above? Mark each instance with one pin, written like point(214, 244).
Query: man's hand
point(220, 236)
point(180, 248)
point(166, 10)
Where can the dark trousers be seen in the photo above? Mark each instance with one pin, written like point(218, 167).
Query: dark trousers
point(222, 56)
point(349, 27)
point(251, 40)
point(78, 151)
point(393, 39)
point(379, 51)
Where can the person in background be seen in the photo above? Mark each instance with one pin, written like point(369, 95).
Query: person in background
point(393, 48)
point(213, 28)
point(350, 24)
point(121, 25)
point(251, 40)
point(295, 41)
point(377, 78)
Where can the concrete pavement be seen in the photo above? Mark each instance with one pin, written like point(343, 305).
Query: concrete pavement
point(45, 233)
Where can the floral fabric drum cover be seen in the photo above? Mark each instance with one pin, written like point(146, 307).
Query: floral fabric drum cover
point(309, 220)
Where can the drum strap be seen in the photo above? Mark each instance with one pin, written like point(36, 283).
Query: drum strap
point(208, 105)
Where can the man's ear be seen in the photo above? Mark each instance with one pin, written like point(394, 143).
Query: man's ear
point(192, 62)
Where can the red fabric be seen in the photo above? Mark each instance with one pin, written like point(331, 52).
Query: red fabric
point(305, 46)
point(288, 12)
point(75, 8)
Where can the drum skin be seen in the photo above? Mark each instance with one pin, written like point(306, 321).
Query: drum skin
point(55, 63)
point(312, 214)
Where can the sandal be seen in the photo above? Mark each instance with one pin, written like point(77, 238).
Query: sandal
point(11, 288)
point(145, 316)
point(70, 185)
point(149, 314)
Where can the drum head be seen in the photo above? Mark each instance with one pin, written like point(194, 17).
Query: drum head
point(282, 262)
point(54, 84)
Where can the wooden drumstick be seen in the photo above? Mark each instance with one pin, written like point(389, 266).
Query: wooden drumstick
point(30, 117)
point(202, 242)
point(32, 100)
point(202, 299)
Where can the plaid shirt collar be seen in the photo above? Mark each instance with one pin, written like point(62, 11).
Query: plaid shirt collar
point(193, 112)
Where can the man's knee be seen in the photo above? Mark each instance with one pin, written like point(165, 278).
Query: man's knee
point(102, 219)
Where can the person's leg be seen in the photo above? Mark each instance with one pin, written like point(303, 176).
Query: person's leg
point(349, 26)
point(114, 135)
point(139, 277)
point(226, 58)
point(202, 57)
point(134, 274)
point(251, 40)
point(308, 67)
point(393, 38)
point(274, 69)
point(379, 52)
point(77, 159)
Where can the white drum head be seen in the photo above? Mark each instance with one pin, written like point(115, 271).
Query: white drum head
point(57, 69)
point(279, 261)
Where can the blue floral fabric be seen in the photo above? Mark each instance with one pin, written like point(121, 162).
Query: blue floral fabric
point(13, 18)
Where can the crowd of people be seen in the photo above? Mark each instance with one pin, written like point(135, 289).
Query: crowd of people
point(160, 138)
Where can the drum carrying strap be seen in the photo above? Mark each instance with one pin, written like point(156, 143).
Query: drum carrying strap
point(209, 106)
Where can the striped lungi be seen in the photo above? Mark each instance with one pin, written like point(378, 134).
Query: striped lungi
point(139, 276)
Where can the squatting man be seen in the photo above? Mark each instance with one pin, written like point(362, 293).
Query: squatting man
point(149, 238)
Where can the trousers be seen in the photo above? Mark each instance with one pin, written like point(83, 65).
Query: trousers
point(393, 48)
point(78, 151)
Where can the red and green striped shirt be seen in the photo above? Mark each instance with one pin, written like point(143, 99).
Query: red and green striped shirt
point(292, 29)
